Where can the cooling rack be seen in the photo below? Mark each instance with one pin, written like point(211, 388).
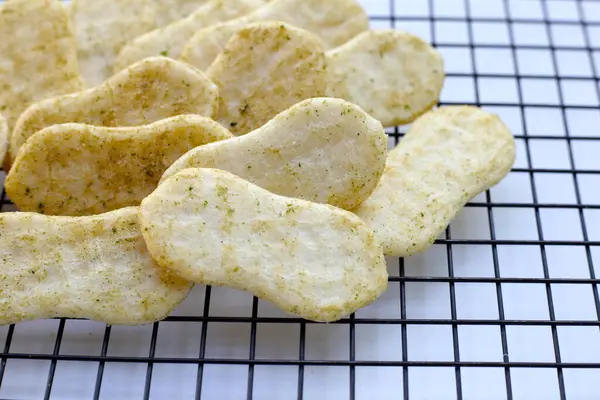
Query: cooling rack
point(504, 305)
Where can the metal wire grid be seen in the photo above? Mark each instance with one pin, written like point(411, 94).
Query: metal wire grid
point(401, 279)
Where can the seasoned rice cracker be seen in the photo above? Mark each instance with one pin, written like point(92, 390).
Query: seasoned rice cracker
point(94, 267)
point(334, 21)
point(323, 150)
point(447, 157)
point(266, 68)
point(171, 39)
point(148, 91)
point(103, 27)
point(76, 169)
point(392, 75)
point(3, 138)
point(38, 55)
point(312, 260)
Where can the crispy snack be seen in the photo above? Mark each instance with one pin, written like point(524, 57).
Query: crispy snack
point(311, 260)
point(103, 27)
point(335, 21)
point(148, 91)
point(169, 11)
point(323, 150)
point(76, 169)
point(38, 55)
point(3, 138)
point(392, 75)
point(266, 68)
point(171, 39)
point(447, 157)
point(94, 267)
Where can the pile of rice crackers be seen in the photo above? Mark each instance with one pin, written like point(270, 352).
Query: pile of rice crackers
point(150, 145)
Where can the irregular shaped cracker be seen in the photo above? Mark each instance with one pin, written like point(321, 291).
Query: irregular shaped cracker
point(103, 27)
point(82, 267)
point(76, 169)
point(392, 75)
point(335, 21)
point(38, 55)
point(3, 138)
point(323, 150)
point(148, 91)
point(312, 260)
point(447, 157)
point(171, 39)
point(266, 68)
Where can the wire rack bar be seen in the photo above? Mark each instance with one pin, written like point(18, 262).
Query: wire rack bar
point(333, 363)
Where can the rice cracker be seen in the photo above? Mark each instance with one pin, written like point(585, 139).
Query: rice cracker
point(148, 91)
point(312, 260)
point(76, 169)
point(322, 150)
point(447, 157)
point(103, 27)
point(266, 68)
point(38, 55)
point(94, 267)
point(392, 75)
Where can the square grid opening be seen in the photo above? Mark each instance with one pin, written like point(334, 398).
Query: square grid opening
point(505, 304)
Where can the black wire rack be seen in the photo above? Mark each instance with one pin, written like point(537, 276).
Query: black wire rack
point(562, 372)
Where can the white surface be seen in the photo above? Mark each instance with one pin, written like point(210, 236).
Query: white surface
point(26, 379)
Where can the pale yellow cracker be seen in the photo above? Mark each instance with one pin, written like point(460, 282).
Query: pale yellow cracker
point(323, 150)
point(392, 75)
point(38, 55)
point(335, 21)
point(171, 39)
point(266, 68)
point(447, 157)
point(312, 260)
point(76, 169)
point(148, 91)
point(94, 267)
point(103, 27)
point(3, 138)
